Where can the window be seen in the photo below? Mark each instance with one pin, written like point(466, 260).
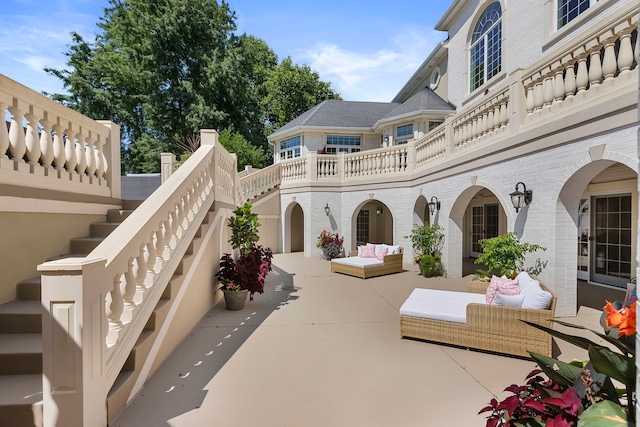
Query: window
point(362, 227)
point(343, 144)
point(290, 148)
point(404, 133)
point(434, 124)
point(570, 9)
point(486, 47)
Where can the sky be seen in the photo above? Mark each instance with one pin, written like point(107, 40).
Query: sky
point(368, 50)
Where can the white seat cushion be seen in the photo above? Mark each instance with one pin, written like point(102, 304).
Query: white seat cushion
point(440, 305)
point(358, 261)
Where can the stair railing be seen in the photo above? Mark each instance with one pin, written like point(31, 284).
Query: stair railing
point(96, 307)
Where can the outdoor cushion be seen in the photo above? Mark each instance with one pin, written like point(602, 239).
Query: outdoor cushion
point(508, 300)
point(358, 261)
point(440, 305)
point(393, 249)
point(502, 285)
point(368, 252)
point(383, 253)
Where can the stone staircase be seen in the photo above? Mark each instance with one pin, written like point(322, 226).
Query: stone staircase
point(21, 339)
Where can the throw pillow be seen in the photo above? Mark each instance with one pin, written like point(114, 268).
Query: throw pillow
point(508, 300)
point(536, 298)
point(383, 253)
point(379, 248)
point(368, 252)
point(504, 286)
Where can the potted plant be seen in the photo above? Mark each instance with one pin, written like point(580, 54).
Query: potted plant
point(503, 255)
point(331, 245)
point(246, 274)
point(427, 241)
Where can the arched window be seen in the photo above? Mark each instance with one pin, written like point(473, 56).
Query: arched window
point(486, 46)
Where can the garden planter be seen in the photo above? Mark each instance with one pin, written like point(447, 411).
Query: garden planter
point(235, 300)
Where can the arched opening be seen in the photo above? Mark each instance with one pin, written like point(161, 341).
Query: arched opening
point(476, 214)
point(372, 222)
point(294, 228)
point(597, 213)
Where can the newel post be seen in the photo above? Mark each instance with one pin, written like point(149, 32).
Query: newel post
point(312, 167)
point(517, 102)
point(449, 136)
point(411, 156)
point(111, 152)
point(167, 161)
point(74, 327)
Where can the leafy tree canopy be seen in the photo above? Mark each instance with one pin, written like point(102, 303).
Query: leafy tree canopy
point(165, 69)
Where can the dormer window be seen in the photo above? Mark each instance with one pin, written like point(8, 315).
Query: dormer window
point(486, 47)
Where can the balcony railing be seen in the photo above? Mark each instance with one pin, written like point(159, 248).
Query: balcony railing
point(49, 146)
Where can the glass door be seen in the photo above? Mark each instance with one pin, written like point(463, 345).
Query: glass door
point(611, 254)
point(583, 240)
point(484, 225)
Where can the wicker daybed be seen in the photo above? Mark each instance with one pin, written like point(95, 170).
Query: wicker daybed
point(367, 267)
point(491, 328)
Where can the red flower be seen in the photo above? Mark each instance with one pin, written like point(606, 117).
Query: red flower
point(624, 320)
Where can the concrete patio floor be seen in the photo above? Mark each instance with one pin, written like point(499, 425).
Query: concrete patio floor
point(323, 349)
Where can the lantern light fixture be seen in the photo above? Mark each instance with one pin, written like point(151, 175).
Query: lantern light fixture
point(520, 199)
point(434, 205)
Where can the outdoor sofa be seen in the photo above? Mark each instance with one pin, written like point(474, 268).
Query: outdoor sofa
point(359, 266)
point(466, 319)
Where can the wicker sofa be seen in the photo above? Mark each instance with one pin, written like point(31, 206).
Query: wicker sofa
point(353, 265)
point(491, 328)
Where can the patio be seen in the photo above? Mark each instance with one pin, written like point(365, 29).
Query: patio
point(323, 349)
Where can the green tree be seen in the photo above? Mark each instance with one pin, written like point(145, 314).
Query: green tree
point(165, 69)
point(290, 91)
point(247, 154)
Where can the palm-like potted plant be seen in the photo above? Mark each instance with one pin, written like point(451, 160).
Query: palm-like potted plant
point(427, 241)
point(503, 255)
point(246, 274)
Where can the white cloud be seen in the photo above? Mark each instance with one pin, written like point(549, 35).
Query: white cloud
point(371, 76)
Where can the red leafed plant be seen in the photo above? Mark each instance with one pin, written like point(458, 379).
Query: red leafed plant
point(248, 272)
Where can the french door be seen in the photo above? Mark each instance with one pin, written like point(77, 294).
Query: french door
point(484, 225)
point(611, 252)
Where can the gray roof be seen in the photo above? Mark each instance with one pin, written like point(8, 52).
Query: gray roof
point(337, 113)
point(426, 99)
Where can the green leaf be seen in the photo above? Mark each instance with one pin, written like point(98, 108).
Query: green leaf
point(613, 340)
point(566, 374)
point(577, 341)
point(615, 365)
point(603, 414)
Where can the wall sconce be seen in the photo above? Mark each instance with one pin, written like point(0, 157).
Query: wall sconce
point(327, 210)
point(379, 210)
point(520, 199)
point(434, 205)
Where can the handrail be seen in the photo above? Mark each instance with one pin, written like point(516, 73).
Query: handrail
point(260, 181)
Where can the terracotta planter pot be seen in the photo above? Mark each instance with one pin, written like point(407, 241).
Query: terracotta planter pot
point(235, 300)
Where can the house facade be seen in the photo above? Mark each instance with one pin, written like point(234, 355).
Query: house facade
point(520, 96)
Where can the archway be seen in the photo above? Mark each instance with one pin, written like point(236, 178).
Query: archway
point(476, 214)
point(294, 228)
point(371, 222)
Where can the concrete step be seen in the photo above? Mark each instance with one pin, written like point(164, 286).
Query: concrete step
point(84, 245)
point(20, 354)
point(102, 229)
point(29, 289)
point(21, 317)
point(21, 400)
point(117, 215)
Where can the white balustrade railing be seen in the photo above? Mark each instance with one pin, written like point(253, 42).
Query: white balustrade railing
point(482, 122)
point(601, 59)
point(432, 147)
point(113, 291)
point(260, 182)
point(327, 166)
point(53, 147)
point(383, 161)
point(294, 169)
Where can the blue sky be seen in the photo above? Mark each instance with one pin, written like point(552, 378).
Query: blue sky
point(367, 49)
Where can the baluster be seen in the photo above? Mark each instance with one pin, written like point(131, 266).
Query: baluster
point(595, 69)
point(547, 90)
point(114, 307)
point(496, 117)
point(17, 144)
point(99, 160)
point(485, 123)
point(81, 164)
point(128, 289)
point(582, 77)
point(159, 247)
point(58, 147)
point(175, 225)
point(569, 82)
point(609, 64)
point(150, 258)
point(70, 151)
point(90, 158)
point(504, 114)
point(46, 144)
point(168, 235)
point(4, 133)
point(32, 141)
point(530, 103)
point(558, 85)
point(625, 54)
point(538, 96)
point(140, 274)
